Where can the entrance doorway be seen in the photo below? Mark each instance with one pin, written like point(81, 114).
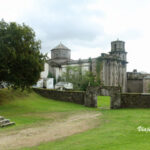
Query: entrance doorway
point(112, 100)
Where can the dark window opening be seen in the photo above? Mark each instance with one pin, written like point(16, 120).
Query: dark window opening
point(115, 46)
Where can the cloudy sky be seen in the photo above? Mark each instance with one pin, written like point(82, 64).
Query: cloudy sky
point(87, 26)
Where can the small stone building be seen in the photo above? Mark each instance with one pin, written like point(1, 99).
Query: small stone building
point(138, 82)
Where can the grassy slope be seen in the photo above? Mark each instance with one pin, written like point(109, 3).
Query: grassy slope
point(27, 109)
point(118, 128)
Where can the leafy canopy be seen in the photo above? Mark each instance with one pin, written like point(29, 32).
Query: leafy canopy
point(20, 59)
point(80, 79)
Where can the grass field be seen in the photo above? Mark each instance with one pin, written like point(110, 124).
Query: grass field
point(117, 129)
point(29, 108)
point(103, 102)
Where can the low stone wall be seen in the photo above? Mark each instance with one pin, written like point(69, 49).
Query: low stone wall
point(112, 91)
point(68, 96)
point(134, 100)
point(89, 98)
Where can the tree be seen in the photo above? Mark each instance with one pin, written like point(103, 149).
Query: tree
point(20, 59)
point(81, 80)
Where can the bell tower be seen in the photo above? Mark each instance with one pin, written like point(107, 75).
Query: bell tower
point(118, 49)
point(118, 53)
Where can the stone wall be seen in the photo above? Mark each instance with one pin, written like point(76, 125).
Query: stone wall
point(68, 96)
point(146, 85)
point(130, 100)
point(135, 85)
point(92, 93)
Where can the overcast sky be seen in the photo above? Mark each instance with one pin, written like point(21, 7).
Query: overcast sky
point(87, 27)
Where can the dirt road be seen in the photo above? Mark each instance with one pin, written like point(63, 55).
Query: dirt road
point(75, 123)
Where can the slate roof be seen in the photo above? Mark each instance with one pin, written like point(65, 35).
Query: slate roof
point(61, 46)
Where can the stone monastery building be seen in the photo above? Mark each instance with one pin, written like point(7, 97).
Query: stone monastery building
point(111, 66)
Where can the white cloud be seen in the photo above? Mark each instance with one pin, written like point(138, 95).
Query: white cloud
point(87, 26)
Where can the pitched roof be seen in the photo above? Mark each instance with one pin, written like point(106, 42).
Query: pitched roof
point(60, 46)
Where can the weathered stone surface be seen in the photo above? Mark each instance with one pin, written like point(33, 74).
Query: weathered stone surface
point(138, 82)
point(146, 85)
point(5, 122)
point(69, 96)
point(135, 100)
point(135, 86)
point(88, 98)
point(92, 93)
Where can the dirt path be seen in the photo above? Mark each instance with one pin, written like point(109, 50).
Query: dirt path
point(48, 132)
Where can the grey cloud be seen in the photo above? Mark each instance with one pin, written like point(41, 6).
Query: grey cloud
point(57, 20)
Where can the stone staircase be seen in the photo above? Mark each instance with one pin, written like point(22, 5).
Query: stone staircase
point(5, 122)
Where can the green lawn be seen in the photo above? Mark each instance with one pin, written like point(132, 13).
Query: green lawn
point(117, 129)
point(29, 108)
point(103, 102)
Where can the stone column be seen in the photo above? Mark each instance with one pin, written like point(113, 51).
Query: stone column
point(115, 98)
point(90, 99)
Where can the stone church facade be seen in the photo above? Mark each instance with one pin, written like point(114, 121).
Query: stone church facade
point(112, 66)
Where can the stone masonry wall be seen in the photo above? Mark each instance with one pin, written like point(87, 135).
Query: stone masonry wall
point(135, 86)
point(146, 85)
point(131, 100)
point(89, 98)
point(68, 96)
point(92, 93)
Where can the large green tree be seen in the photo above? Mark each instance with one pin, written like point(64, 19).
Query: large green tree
point(20, 59)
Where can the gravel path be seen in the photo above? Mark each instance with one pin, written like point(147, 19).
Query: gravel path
point(49, 131)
